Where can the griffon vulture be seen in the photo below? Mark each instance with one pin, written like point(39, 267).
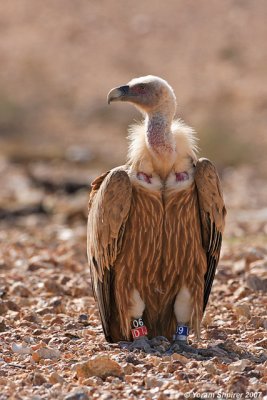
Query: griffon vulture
point(155, 226)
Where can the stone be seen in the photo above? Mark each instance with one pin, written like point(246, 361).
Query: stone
point(53, 287)
point(256, 283)
point(32, 317)
point(101, 366)
point(55, 378)
point(38, 379)
point(239, 366)
point(77, 395)
point(178, 357)
point(20, 349)
point(3, 326)
point(3, 308)
point(19, 289)
point(48, 353)
point(152, 382)
point(210, 367)
point(238, 384)
point(258, 322)
point(242, 310)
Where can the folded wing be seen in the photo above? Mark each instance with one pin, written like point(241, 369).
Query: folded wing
point(212, 215)
point(109, 206)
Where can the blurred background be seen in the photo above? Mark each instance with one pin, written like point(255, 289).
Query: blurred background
point(59, 59)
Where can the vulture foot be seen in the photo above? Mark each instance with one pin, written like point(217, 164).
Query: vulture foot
point(180, 346)
point(160, 344)
point(142, 343)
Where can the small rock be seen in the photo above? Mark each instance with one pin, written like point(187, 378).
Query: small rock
point(57, 305)
point(152, 382)
point(262, 343)
point(20, 349)
point(242, 310)
point(239, 366)
point(93, 381)
point(77, 395)
point(3, 308)
point(11, 305)
point(256, 283)
point(32, 317)
point(258, 322)
point(178, 357)
point(52, 286)
point(210, 367)
point(3, 326)
point(101, 366)
point(239, 266)
point(238, 384)
point(48, 353)
point(154, 360)
point(37, 332)
point(55, 378)
point(132, 359)
point(253, 255)
point(83, 319)
point(259, 267)
point(241, 292)
point(128, 369)
point(35, 357)
point(19, 289)
point(38, 379)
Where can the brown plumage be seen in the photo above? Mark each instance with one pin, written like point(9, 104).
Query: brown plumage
point(155, 224)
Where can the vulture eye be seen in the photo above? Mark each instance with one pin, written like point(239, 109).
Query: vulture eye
point(141, 88)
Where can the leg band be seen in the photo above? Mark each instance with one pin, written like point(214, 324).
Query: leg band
point(181, 333)
point(138, 328)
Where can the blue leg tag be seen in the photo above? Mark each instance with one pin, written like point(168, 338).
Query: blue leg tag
point(181, 333)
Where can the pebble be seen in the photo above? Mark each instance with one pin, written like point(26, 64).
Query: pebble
point(210, 367)
point(256, 283)
point(48, 353)
point(38, 379)
point(239, 366)
point(152, 382)
point(3, 308)
point(20, 349)
point(77, 395)
point(178, 357)
point(101, 366)
point(19, 289)
point(55, 378)
point(242, 310)
point(52, 286)
point(3, 326)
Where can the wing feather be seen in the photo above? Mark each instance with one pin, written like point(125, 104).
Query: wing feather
point(212, 215)
point(109, 205)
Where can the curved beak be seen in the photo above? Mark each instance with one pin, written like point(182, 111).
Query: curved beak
point(118, 94)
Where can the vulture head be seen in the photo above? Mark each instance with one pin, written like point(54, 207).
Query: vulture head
point(150, 94)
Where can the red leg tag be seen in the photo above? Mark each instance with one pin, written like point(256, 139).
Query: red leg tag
point(138, 332)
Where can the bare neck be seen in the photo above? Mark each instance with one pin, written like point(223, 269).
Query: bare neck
point(159, 136)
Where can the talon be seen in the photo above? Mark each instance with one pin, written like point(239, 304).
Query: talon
point(180, 346)
point(141, 343)
point(160, 343)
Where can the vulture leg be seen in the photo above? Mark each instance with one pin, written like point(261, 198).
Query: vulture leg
point(183, 311)
point(138, 328)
